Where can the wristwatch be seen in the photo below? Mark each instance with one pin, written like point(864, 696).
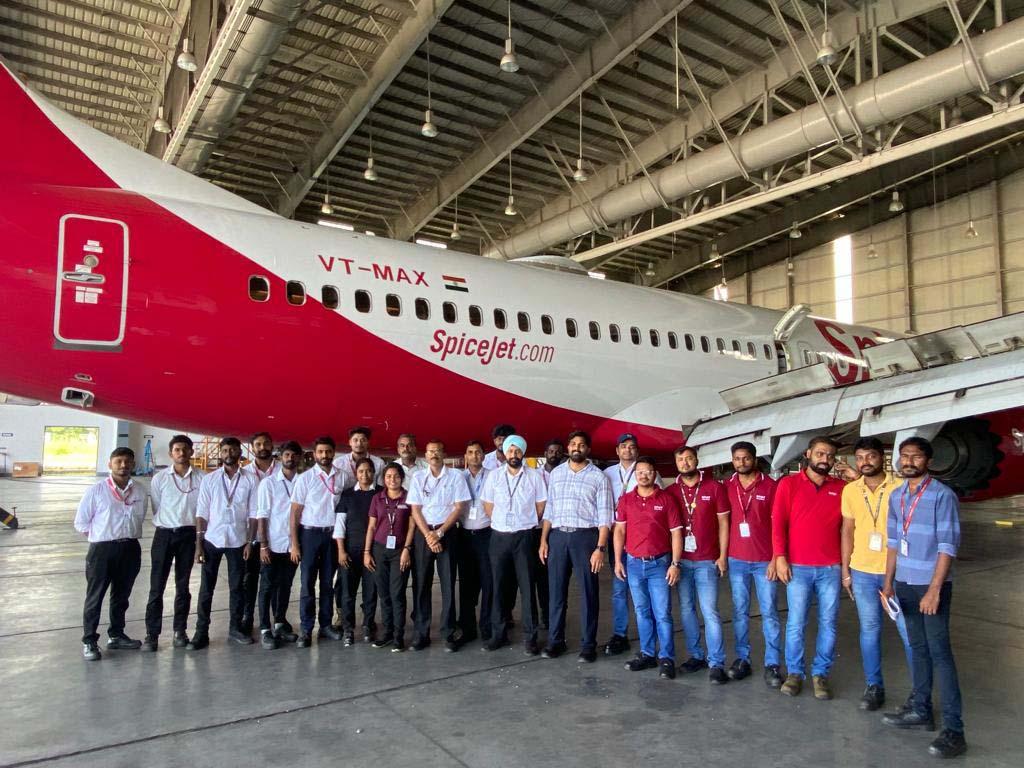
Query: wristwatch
point(678, 563)
point(602, 548)
point(440, 533)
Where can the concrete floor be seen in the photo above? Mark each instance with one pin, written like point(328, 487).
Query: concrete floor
point(242, 705)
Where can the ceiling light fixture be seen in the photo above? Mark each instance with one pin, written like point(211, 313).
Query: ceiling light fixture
point(370, 173)
point(649, 272)
point(326, 208)
point(827, 52)
point(580, 175)
point(428, 129)
point(509, 62)
point(160, 125)
point(510, 209)
point(956, 117)
point(896, 205)
point(794, 232)
point(971, 232)
point(456, 235)
point(714, 255)
point(186, 59)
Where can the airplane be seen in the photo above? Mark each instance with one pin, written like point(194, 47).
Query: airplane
point(143, 292)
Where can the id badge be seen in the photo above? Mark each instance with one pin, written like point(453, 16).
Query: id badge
point(904, 548)
point(474, 512)
point(744, 530)
point(690, 543)
point(391, 543)
point(875, 541)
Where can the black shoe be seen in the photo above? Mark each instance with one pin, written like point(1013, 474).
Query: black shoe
point(240, 636)
point(530, 648)
point(199, 641)
point(369, 634)
point(399, 646)
point(667, 669)
point(588, 656)
point(949, 744)
point(150, 644)
point(910, 720)
point(328, 633)
point(772, 676)
point(303, 641)
point(285, 633)
point(553, 651)
point(180, 640)
point(693, 665)
point(268, 641)
point(91, 652)
point(873, 698)
point(383, 642)
point(123, 643)
point(451, 645)
point(640, 663)
point(717, 676)
point(420, 643)
point(495, 643)
point(739, 669)
point(616, 644)
point(247, 624)
point(349, 639)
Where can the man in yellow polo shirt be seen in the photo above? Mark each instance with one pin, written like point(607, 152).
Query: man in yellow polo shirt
point(865, 507)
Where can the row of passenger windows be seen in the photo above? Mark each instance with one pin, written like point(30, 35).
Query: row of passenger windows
point(295, 292)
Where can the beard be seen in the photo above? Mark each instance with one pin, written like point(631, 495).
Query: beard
point(821, 469)
point(910, 471)
point(290, 463)
point(745, 471)
point(229, 461)
point(264, 454)
point(325, 463)
point(691, 473)
point(515, 462)
point(871, 470)
point(578, 457)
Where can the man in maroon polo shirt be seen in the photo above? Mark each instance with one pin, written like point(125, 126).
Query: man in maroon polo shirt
point(750, 560)
point(649, 527)
point(705, 509)
point(807, 522)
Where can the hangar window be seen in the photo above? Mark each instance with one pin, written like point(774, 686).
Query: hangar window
point(296, 293)
point(705, 344)
point(546, 325)
point(449, 312)
point(422, 307)
point(500, 321)
point(329, 297)
point(570, 327)
point(673, 340)
point(634, 334)
point(524, 321)
point(688, 338)
point(613, 332)
point(363, 302)
point(476, 317)
point(259, 288)
point(393, 305)
point(595, 331)
point(720, 343)
point(655, 338)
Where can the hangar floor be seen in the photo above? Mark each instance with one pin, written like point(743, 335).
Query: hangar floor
point(243, 705)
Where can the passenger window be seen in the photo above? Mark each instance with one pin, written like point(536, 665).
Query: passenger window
point(634, 334)
point(329, 297)
point(705, 343)
point(476, 317)
point(767, 352)
point(673, 340)
point(570, 327)
point(524, 321)
point(613, 332)
point(546, 325)
point(688, 338)
point(500, 321)
point(720, 343)
point(422, 307)
point(296, 293)
point(751, 350)
point(259, 288)
point(655, 338)
point(363, 302)
point(393, 305)
point(595, 331)
point(449, 312)
point(736, 346)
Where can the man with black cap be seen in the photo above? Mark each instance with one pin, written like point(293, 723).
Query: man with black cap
point(496, 458)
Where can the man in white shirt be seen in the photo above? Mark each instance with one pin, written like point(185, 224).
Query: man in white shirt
point(438, 498)
point(225, 524)
point(277, 571)
point(513, 498)
point(173, 495)
point(474, 568)
point(496, 458)
point(622, 477)
point(314, 498)
point(110, 515)
point(262, 466)
point(359, 445)
point(412, 465)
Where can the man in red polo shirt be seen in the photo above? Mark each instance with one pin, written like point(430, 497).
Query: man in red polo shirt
point(653, 541)
point(705, 509)
point(807, 522)
point(750, 560)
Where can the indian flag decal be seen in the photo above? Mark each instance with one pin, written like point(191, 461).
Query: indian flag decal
point(453, 283)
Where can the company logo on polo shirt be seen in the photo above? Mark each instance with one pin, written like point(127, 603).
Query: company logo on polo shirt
point(705, 498)
point(760, 498)
point(658, 507)
point(832, 493)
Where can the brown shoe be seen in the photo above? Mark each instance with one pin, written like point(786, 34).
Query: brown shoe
point(822, 690)
point(793, 685)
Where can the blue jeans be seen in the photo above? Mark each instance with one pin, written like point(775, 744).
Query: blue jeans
point(699, 583)
point(821, 582)
point(653, 602)
point(620, 598)
point(872, 616)
point(741, 573)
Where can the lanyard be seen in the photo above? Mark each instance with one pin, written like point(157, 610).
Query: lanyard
point(392, 514)
point(913, 505)
point(230, 496)
point(125, 497)
point(629, 476)
point(475, 484)
point(878, 507)
point(437, 482)
point(287, 486)
point(691, 504)
point(174, 477)
point(746, 498)
point(261, 475)
point(512, 488)
point(330, 488)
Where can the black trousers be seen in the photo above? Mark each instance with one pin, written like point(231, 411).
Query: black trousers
point(424, 562)
point(208, 583)
point(109, 565)
point(276, 579)
point(391, 587)
point(475, 582)
point(568, 552)
point(540, 581)
point(352, 579)
point(512, 562)
point(318, 564)
point(251, 586)
point(177, 547)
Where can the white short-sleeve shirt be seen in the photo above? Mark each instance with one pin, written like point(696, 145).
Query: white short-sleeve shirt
point(438, 495)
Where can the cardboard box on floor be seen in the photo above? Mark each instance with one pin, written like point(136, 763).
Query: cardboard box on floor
point(25, 469)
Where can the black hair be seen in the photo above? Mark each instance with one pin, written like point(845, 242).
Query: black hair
point(231, 441)
point(184, 439)
point(261, 434)
point(122, 451)
point(471, 443)
point(743, 445)
point(869, 444)
point(554, 441)
point(502, 430)
point(649, 460)
point(435, 441)
point(325, 440)
point(292, 446)
point(818, 439)
point(364, 431)
point(580, 434)
point(395, 466)
point(684, 448)
point(366, 460)
point(919, 442)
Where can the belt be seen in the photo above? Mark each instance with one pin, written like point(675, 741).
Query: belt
point(435, 527)
point(652, 558)
point(116, 541)
point(179, 528)
point(569, 529)
point(326, 528)
point(476, 530)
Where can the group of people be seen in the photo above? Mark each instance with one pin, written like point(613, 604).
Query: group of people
point(355, 525)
